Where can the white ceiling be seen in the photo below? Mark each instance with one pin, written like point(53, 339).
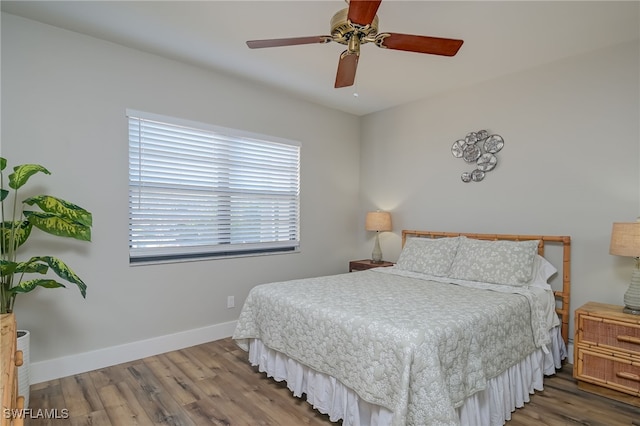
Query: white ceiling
point(500, 37)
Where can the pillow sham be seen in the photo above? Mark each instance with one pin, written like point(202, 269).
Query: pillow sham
point(542, 271)
point(496, 262)
point(432, 256)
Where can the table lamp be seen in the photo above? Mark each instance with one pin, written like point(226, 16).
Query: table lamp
point(625, 241)
point(379, 222)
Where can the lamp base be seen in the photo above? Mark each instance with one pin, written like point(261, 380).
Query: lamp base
point(632, 295)
point(632, 311)
point(376, 255)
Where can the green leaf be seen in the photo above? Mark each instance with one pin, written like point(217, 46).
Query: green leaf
point(63, 271)
point(7, 267)
point(32, 267)
point(3, 163)
point(21, 231)
point(3, 194)
point(61, 208)
point(21, 174)
point(56, 225)
point(27, 286)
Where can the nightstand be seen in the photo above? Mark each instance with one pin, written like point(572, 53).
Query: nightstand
point(361, 265)
point(607, 352)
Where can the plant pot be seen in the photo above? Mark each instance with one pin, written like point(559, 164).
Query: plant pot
point(24, 379)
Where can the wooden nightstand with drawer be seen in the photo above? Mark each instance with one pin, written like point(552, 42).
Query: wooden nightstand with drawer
point(362, 265)
point(607, 352)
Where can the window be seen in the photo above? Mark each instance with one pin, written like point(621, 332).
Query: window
point(201, 191)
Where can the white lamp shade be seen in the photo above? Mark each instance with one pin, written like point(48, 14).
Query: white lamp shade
point(378, 221)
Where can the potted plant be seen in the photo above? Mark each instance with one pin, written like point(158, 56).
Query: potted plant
point(56, 217)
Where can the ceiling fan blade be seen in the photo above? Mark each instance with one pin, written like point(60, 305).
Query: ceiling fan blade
point(362, 12)
point(347, 66)
point(277, 42)
point(421, 44)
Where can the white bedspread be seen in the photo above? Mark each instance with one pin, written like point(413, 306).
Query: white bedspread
point(417, 347)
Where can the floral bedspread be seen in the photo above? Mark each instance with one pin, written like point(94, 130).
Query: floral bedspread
point(417, 347)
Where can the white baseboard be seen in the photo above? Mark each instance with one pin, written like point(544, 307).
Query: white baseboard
point(43, 371)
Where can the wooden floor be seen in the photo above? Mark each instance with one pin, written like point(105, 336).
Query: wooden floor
point(213, 384)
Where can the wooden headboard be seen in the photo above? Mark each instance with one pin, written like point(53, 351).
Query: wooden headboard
point(564, 270)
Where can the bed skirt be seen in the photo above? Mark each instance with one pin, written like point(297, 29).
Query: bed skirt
point(492, 406)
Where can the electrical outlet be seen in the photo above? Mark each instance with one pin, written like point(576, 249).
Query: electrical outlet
point(231, 302)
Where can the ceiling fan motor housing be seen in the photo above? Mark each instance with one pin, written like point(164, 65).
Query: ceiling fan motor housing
point(345, 32)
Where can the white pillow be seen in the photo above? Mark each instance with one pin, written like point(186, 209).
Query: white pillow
point(496, 262)
point(432, 256)
point(542, 271)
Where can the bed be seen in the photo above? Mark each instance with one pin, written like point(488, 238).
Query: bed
point(460, 331)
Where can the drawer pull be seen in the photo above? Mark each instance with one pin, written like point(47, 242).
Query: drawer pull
point(629, 376)
point(629, 339)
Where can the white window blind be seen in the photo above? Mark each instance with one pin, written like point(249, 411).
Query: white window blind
point(197, 190)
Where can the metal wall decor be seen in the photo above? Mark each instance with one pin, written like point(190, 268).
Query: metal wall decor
point(479, 148)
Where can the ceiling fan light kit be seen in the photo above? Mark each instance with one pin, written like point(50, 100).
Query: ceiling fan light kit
point(358, 25)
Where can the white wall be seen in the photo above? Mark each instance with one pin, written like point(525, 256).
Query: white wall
point(64, 97)
point(570, 164)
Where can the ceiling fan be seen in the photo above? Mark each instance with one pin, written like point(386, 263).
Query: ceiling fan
point(357, 25)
